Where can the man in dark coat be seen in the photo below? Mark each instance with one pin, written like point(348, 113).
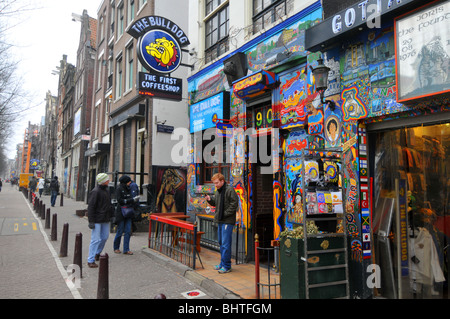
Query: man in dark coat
point(100, 212)
point(124, 200)
point(226, 202)
point(54, 188)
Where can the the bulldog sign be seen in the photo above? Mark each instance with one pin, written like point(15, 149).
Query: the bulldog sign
point(159, 43)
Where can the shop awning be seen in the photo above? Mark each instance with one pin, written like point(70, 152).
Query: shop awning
point(255, 84)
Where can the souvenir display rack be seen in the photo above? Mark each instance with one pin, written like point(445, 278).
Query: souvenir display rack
point(324, 235)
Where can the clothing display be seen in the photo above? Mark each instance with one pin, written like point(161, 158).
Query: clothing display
point(425, 267)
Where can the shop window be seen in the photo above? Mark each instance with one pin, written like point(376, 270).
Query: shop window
point(411, 225)
point(216, 32)
point(215, 162)
point(127, 147)
point(116, 149)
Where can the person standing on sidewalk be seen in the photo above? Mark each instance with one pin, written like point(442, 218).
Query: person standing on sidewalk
point(124, 200)
point(100, 212)
point(54, 188)
point(226, 202)
point(41, 184)
point(32, 184)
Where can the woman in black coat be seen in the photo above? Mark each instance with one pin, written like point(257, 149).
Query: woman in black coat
point(124, 199)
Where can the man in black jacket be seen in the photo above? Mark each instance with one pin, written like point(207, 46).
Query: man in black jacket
point(54, 188)
point(100, 212)
point(226, 202)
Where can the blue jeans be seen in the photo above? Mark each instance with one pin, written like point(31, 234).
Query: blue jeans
point(53, 198)
point(123, 227)
point(225, 232)
point(99, 236)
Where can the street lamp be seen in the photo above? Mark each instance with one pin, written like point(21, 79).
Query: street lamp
point(320, 74)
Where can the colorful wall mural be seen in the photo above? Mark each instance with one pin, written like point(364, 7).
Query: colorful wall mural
point(288, 40)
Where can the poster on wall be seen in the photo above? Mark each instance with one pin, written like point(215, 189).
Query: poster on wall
point(171, 189)
point(423, 52)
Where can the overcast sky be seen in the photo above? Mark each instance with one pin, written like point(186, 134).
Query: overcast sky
point(41, 37)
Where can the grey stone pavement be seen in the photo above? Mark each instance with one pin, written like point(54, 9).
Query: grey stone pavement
point(30, 266)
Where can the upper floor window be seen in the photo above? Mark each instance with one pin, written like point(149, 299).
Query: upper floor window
point(101, 25)
point(141, 3)
point(212, 5)
point(130, 68)
point(113, 19)
point(131, 9)
point(216, 31)
point(119, 77)
point(121, 20)
point(266, 12)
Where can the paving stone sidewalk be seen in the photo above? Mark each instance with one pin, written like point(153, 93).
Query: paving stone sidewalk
point(29, 270)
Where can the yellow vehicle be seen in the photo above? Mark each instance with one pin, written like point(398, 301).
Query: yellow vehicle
point(24, 180)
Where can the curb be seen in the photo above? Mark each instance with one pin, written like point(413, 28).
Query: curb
point(209, 285)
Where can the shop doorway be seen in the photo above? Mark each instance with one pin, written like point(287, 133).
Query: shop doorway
point(263, 207)
point(410, 168)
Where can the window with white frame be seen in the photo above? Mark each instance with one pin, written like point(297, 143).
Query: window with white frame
point(131, 11)
point(141, 3)
point(120, 20)
point(266, 12)
point(110, 70)
point(119, 77)
point(216, 29)
point(96, 121)
point(113, 19)
point(101, 25)
point(106, 112)
point(129, 67)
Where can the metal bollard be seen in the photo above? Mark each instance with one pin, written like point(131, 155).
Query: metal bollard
point(43, 211)
point(64, 241)
point(77, 255)
point(103, 277)
point(61, 201)
point(257, 266)
point(47, 219)
point(54, 235)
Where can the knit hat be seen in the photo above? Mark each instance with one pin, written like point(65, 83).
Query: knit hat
point(124, 179)
point(101, 178)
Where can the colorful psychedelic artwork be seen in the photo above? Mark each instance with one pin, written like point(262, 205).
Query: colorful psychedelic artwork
point(353, 107)
point(295, 143)
point(293, 193)
point(292, 97)
point(289, 42)
point(332, 124)
point(277, 208)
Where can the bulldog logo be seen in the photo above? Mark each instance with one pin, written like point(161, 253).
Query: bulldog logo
point(159, 51)
point(164, 51)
